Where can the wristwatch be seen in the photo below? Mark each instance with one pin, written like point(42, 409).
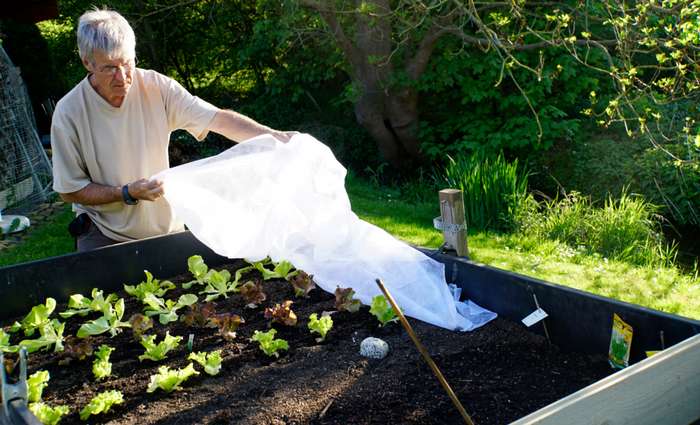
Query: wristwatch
point(128, 199)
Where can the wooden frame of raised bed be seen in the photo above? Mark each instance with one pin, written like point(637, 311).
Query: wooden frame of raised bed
point(663, 386)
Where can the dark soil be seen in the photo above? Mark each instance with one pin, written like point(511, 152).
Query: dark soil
point(500, 372)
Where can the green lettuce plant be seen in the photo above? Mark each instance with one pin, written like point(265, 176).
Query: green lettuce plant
point(196, 266)
point(211, 362)
point(111, 321)
point(218, 284)
point(157, 352)
point(81, 306)
point(281, 270)
point(381, 309)
point(169, 380)
point(149, 286)
point(320, 326)
point(48, 415)
point(166, 310)
point(51, 334)
point(101, 403)
point(36, 382)
point(268, 344)
point(38, 317)
point(5, 343)
point(101, 366)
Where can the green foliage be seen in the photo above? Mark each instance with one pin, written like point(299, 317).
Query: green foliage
point(111, 321)
point(196, 266)
point(381, 309)
point(101, 403)
point(38, 317)
point(496, 117)
point(166, 310)
point(320, 326)
point(101, 366)
point(493, 189)
point(46, 414)
point(36, 382)
point(150, 285)
point(626, 229)
point(169, 380)
point(268, 344)
point(157, 352)
point(211, 362)
point(80, 305)
point(51, 334)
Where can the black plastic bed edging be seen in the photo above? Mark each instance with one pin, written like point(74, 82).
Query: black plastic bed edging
point(577, 321)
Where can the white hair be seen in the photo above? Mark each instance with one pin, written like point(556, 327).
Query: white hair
point(106, 31)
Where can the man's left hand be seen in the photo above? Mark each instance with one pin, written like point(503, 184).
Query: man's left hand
point(284, 136)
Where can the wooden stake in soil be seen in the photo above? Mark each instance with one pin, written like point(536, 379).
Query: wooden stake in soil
point(454, 228)
point(424, 353)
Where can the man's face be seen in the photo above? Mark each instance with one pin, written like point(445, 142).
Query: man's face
point(111, 77)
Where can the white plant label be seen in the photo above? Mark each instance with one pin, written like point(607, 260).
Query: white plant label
point(534, 317)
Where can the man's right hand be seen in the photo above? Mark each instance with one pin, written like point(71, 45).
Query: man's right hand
point(148, 190)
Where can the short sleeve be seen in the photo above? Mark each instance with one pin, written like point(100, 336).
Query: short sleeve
point(69, 169)
point(186, 111)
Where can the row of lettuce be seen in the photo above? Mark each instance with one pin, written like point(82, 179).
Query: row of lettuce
point(211, 284)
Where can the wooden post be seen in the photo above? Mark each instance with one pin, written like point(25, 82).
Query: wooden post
point(454, 228)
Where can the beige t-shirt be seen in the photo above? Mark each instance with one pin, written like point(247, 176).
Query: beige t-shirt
point(93, 141)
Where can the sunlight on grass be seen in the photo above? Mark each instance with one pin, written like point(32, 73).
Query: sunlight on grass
point(661, 288)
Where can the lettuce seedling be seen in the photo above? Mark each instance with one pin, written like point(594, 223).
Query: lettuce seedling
point(48, 415)
point(196, 266)
point(344, 300)
point(101, 403)
point(101, 367)
point(36, 383)
point(381, 309)
point(198, 314)
point(38, 317)
point(139, 325)
point(166, 310)
point(80, 305)
point(157, 352)
point(268, 344)
point(5, 346)
point(320, 326)
point(169, 380)
point(303, 283)
point(282, 270)
point(149, 286)
point(211, 362)
point(227, 323)
point(253, 294)
point(218, 285)
point(111, 321)
point(51, 334)
point(75, 349)
point(282, 313)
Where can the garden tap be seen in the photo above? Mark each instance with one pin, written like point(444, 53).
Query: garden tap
point(14, 396)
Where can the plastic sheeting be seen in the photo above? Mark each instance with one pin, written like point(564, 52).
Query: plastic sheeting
point(288, 200)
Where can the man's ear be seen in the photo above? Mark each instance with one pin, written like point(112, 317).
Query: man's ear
point(87, 65)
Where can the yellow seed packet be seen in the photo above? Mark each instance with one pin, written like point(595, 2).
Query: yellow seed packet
point(620, 343)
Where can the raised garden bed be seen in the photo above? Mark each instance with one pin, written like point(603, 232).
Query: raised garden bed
point(500, 372)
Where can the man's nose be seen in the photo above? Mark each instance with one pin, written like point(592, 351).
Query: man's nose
point(121, 73)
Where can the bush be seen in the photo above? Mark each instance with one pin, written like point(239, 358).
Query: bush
point(626, 229)
point(494, 190)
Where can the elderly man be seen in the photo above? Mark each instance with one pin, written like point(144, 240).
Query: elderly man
point(111, 132)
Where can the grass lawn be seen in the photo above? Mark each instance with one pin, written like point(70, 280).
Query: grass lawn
point(662, 288)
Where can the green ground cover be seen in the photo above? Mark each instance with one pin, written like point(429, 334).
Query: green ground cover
point(663, 288)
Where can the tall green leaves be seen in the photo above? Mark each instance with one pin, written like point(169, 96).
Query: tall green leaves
point(493, 189)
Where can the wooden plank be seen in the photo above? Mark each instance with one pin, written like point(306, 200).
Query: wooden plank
point(663, 389)
point(454, 229)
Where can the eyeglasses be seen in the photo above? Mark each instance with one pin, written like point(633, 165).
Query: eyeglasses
point(111, 70)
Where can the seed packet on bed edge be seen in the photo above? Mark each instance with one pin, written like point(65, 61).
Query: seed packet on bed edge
point(620, 343)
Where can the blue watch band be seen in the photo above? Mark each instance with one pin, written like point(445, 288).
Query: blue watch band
point(128, 199)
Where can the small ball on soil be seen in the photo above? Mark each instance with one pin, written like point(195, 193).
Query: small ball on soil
point(374, 348)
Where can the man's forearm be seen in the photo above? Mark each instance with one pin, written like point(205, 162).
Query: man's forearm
point(94, 194)
point(237, 127)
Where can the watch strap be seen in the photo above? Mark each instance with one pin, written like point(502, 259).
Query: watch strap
point(128, 199)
